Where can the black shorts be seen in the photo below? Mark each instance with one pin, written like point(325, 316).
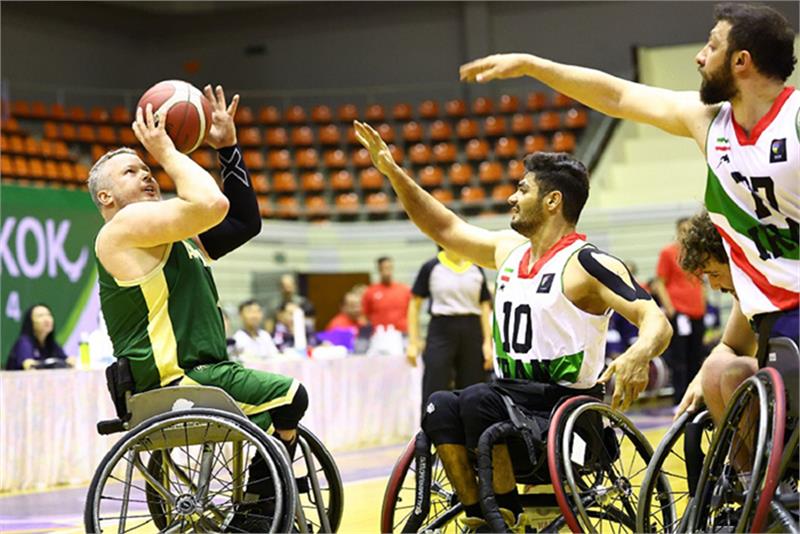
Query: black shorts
point(460, 417)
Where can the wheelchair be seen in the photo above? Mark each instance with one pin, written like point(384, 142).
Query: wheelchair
point(182, 466)
point(591, 457)
point(760, 424)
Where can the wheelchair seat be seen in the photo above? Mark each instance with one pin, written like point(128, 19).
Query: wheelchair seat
point(145, 405)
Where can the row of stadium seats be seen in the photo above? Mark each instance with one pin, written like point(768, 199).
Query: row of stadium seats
point(30, 146)
point(20, 167)
point(321, 114)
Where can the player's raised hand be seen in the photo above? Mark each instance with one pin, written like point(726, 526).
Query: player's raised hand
point(378, 150)
point(495, 67)
point(151, 130)
point(223, 129)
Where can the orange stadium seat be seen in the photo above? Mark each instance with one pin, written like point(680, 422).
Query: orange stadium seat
point(204, 158)
point(57, 112)
point(10, 125)
point(420, 154)
point(307, 158)
point(284, 182)
point(370, 179)
point(347, 113)
point(377, 202)
point(473, 195)
point(244, 116)
point(482, 106)
point(562, 101)
point(150, 160)
point(431, 176)
point(361, 158)
point(106, 135)
point(165, 183)
point(312, 181)
point(335, 159)
point(516, 169)
point(32, 147)
point(508, 104)
point(276, 137)
point(412, 132)
point(86, 133)
point(429, 109)
point(6, 166)
point(351, 136)
point(278, 159)
point(260, 183)
point(269, 115)
point(342, 181)
point(445, 196)
point(51, 170)
point(97, 152)
point(506, 148)
point(576, 118)
point(535, 143)
point(441, 131)
point(477, 150)
point(66, 171)
point(347, 203)
point(38, 110)
point(249, 136)
point(563, 142)
point(302, 136)
point(46, 147)
point(121, 115)
point(536, 101)
point(76, 114)
point(455, 108)
point(494, 126)
point(522, 124)
point(20, 166)
point(21, 109)
point(549, 121)
point(81, 173)
point(69, 132)
point(60, 150)
point(329, 135)
point(490, 172)
point(16, 145)
point(35, 168)
point(466, 129)
point(397, 154)
point(501, 192)
point(402, 112)
point(315, 206)
point(264, 206)
point(460, 173)
point(295, 114)
point(51, 130)
point(444, 153)
point(99, 115)
point(287, 208)
point(3, 143)
point(127, 137)
point(374, 113)
point(321, 114)
point(386, 132)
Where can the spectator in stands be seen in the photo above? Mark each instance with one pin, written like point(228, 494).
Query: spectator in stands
point(349, 316)
point(36, 345)
point(285, 335)
point(681, 296)
point(386, 302)
point(251, 341)
point(288, 287)
point(458, 350)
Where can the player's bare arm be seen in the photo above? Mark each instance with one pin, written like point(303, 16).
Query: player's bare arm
point(595, 282)
point(478, 245)
point(676, 112)
point(738, 337)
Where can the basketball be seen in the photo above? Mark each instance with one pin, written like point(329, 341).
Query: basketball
point(188, 112)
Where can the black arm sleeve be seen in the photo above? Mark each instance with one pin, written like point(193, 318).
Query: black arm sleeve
point(243, 221)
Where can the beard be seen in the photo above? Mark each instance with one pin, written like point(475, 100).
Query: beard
point(719, 87)
point(527, 225)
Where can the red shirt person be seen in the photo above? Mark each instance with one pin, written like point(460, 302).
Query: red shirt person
point(386, 303)
point(349, 316)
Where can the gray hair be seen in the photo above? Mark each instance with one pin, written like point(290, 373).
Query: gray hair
point(97, 178)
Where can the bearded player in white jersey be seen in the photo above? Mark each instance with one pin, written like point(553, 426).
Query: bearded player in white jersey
point(746, 121)
point(554, 295)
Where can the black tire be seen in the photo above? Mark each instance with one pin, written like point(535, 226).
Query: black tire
point(676, 499)
point(329, 478)
point(285, 496)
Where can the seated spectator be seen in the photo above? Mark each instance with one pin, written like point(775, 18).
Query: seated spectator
point(349, 327)
point(288, 287)
point(286, 335)
point(349, 315)
point(36, 346)
point(251, 341)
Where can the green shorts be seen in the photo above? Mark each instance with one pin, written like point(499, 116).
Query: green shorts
point(255, 392)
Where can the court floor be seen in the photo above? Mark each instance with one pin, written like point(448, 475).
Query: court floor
point(364, 472)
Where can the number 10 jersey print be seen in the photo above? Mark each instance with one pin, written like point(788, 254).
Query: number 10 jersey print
point(539, 334)
point(753, 198)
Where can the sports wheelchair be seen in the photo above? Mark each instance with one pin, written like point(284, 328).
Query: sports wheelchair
point(760, 429)
point(182, 466)
point(592, 457)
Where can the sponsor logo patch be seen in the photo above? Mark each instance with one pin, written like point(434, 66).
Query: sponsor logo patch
point(777, 151)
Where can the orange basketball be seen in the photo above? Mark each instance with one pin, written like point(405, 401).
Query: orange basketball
point(188, 112)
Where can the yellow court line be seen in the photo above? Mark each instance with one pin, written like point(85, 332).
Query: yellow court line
point(17, 493)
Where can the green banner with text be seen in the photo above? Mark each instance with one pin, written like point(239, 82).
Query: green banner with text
point(46, 255)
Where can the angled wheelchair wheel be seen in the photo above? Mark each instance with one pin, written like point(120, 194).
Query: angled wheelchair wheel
point(597, 460)
point(319, 484)
point(187, 471)
point(785, 506)
point(680, 457)
point(750, 438)
point(402, 497)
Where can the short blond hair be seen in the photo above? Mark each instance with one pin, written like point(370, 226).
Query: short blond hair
point(97, 178)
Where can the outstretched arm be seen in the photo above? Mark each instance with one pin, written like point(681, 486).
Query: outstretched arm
point(481, 246)
point(676, 112)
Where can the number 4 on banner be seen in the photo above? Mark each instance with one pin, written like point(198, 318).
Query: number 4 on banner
point(12, 306)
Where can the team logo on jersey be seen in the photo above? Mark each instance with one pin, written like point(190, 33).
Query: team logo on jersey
point(723, 144)
point(777, 151)
point(546, 283)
